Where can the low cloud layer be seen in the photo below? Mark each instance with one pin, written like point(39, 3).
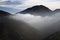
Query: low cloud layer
point(46, 25)
point(30, 26)
point(38, 21)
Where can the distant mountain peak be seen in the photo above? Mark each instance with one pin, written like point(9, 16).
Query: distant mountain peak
point(39, 6)
point(38, 10)
point(3, 13)
point(57, 11)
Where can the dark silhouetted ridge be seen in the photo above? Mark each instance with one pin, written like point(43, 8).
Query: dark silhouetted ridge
point(57, 11)
point(55, 36)
point(39, 9)
point(3, 13)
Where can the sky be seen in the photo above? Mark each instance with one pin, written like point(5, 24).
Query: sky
point(23, 4)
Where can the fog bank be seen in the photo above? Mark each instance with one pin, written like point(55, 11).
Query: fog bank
point(46, 25)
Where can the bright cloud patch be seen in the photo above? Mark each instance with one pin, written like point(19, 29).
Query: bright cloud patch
point(38, 20)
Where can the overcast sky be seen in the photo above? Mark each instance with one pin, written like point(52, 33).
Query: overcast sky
point(23, 4)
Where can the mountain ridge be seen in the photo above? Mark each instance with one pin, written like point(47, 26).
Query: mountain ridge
point(57, 10)
point(38, 10)
point(4, 13)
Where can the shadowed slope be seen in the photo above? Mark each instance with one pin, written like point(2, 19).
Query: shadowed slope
point(18, 30)
point(3, 13)
point(54, 36)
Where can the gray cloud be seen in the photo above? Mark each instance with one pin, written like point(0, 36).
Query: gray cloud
point(54, 0)
point(10, 3)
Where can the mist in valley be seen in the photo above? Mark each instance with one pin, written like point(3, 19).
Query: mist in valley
point(32, 27)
